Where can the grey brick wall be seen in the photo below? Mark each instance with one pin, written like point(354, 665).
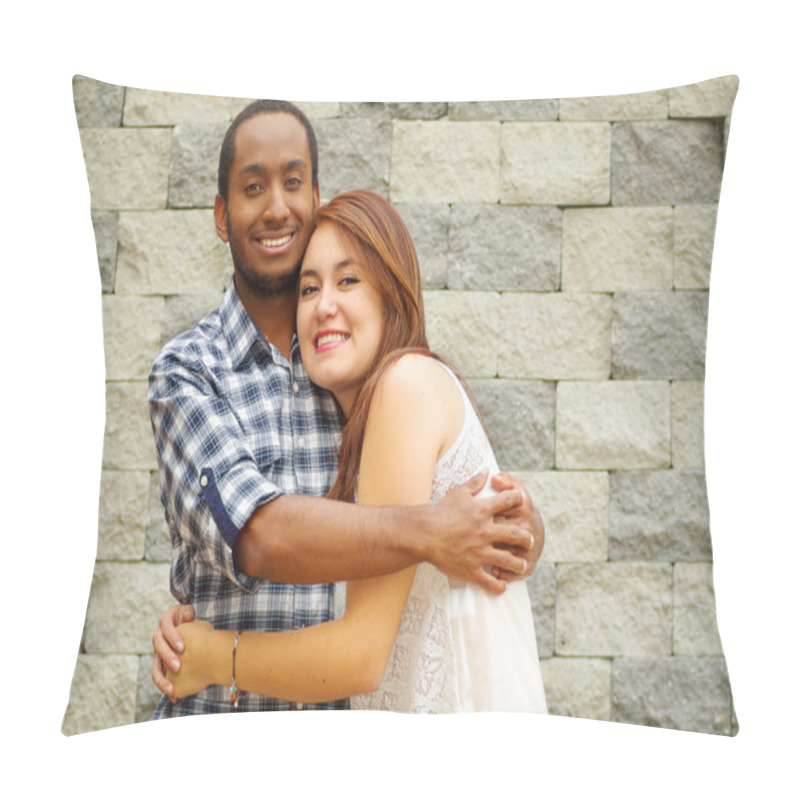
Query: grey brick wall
point(566, 248)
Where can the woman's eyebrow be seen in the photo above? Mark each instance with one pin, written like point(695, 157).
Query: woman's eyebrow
point(307, 272)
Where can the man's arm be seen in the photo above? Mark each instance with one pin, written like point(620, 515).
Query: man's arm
point(297, 539)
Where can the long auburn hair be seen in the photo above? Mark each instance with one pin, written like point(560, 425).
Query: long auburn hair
point(376, 233)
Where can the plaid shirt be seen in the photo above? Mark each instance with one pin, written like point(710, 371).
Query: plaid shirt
point(236, 425)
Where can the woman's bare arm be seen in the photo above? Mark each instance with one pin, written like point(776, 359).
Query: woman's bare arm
point(415, 415)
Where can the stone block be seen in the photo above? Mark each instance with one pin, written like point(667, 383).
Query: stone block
point(428, 225)
point(103, 694)
point(504, 110)
point(659, 335)
point(713, 98)
point(171, 252)
point(183, 311)
point(105, 236)
point(127, 168)
point(520, 416)
point(395, 110)
point(147, 694)
point(641, 105)
point(687, 399)
point(612, 425)
point(158, 544)
point(125, 602)
point(578, 687)
point(123, 515)
point(659, 516)
point(678, 161)
point(574, 509)
point(97, 104)
point(688, 694)
point(695, 226)
point(131, 335)
point(148, 107)
point(695, 620)
point(555, 163)
point(462, 327)
point(507, 248)
point(614, 609)
point(555, 335)
point(445, 162)
point(128, 441)
point(613, 249)
point(195, 164)
point(354, 153)
point(319, 110)
point(542, 592)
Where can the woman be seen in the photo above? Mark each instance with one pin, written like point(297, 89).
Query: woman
point(414, 640)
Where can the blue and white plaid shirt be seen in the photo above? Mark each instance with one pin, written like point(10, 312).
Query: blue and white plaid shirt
point(236, 425)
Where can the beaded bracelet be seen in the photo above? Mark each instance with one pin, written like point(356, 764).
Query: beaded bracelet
point(234, 688)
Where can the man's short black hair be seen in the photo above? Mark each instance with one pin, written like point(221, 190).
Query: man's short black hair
point(228, 149)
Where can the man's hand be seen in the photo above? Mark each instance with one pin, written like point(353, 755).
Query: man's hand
point(472, 537)
point(526, 515)
point(167, 645)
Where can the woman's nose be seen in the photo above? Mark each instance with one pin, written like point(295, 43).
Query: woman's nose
point(326, 307)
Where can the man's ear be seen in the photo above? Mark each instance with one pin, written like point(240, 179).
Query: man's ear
point(316, 198)
point(221, 218)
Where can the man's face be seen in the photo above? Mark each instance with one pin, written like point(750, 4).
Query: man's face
point(269, 214)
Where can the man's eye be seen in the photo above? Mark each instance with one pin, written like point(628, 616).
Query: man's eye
point(293, 182)
point(252, 188)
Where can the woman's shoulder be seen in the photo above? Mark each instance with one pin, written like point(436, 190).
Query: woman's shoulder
point(419, 387)
point(413, 372)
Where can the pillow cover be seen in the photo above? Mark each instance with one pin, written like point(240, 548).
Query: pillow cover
point(565, 247)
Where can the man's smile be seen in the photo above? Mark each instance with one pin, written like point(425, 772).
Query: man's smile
point(275, 242)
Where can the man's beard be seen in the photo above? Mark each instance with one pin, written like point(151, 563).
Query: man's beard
point(264, 286)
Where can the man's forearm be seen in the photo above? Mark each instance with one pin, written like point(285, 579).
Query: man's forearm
point(297, 539)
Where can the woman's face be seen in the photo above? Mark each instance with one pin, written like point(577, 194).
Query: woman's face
point(339, 317)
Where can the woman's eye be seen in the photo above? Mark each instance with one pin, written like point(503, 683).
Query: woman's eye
point(307, 290)
point(349, 280)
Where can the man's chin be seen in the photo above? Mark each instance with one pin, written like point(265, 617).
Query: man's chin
point(267, 286)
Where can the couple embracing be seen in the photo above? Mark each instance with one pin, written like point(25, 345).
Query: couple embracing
point(307, 436)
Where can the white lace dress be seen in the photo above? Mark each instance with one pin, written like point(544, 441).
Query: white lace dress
point(458, 648)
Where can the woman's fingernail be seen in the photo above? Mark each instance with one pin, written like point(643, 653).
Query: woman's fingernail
point(175, 665)
point(179, 646)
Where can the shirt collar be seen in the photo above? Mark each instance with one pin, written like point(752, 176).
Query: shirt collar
point(241, 332)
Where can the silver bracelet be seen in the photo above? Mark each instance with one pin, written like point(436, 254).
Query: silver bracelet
point(234, 688)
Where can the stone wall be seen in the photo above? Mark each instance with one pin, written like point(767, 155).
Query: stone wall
point(565, 247)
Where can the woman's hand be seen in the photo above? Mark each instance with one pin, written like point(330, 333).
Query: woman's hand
point(194, 674)
point(167, 645)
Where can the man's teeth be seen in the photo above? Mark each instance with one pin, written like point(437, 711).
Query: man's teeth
point(331, 337)
point(276, 242)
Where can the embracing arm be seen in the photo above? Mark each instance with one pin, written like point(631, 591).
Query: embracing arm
point(296, 539)
point(348, 656)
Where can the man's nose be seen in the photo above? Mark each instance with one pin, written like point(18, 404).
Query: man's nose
point(275, 207)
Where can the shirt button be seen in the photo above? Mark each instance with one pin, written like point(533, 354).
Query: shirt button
point(295, 387)
point(204, 480)
point(301, 442)
point(299, 706)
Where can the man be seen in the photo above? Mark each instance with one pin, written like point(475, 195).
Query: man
point(247, 446)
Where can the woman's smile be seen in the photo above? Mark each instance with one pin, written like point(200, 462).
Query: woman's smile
point(327, 340)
